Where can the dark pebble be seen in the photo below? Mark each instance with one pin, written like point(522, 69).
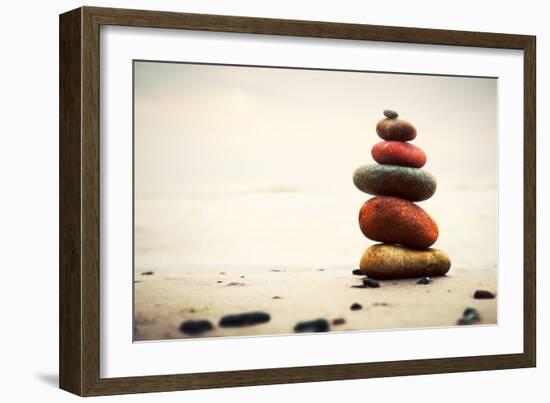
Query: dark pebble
point(471, 313)
point(369, 282)
point(355, 306)
point(147, 273)
point(312, 326)
point(424, 280)
point(195, 327)
point(470, 316)
point(277, 297)
point(483, 294)
point(338, 321)
point(244, 319)
point(219, 281)
point(357, 272)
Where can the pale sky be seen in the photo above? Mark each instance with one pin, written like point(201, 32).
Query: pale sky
point(203, 127)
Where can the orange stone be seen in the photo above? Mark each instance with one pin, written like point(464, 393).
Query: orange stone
point(397, 221)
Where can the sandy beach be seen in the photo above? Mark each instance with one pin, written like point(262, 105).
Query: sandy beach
point(166, 300)
point(305, 261)
point(203, 270)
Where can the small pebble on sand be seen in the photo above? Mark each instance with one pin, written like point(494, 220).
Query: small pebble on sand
point(355, 306)
point(245, 319)
point(147, 273)
point(483, 294)
point(369, 282)
point(338, 321)
point(312, 326)
point(424, 280)
point(196, 327)
point(470, 316)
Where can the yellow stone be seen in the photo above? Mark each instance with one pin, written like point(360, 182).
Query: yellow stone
point(384, 262)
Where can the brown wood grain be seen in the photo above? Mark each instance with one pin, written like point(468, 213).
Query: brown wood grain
point(529, 201)
point(79, 200)
point(70, 271)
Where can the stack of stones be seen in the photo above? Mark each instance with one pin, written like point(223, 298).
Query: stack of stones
point(404, 229)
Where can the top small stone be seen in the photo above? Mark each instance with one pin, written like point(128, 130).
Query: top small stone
point(390, 114)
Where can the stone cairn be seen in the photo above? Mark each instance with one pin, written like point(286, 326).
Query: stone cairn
point(404, 229)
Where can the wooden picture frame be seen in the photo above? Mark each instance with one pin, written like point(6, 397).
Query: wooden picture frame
point(79, 201)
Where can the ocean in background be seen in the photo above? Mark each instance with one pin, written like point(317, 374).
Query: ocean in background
point(296, 227)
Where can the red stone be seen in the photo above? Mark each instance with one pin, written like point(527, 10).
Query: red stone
point(395, 130)
point(398, 153)
point(397, 221)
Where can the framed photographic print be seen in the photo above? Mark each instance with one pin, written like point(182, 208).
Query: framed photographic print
point(249, 201)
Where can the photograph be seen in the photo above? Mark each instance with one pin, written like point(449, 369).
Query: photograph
point(277, 200)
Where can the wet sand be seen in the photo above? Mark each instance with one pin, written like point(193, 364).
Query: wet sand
point(164, 299)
